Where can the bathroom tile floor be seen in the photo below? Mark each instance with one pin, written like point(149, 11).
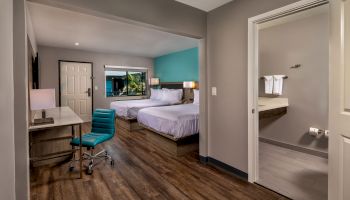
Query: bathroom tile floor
point(291, 173)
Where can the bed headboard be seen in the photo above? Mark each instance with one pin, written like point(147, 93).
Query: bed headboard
point(187, 93)
point(172, 85)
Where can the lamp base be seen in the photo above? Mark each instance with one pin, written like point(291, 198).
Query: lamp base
point(43, 121)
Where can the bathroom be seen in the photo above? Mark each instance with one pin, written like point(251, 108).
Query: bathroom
point(293, 104)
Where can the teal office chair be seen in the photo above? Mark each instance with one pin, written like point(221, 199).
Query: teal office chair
point(103, 129)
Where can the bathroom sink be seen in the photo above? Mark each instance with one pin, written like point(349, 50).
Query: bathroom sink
point(266, 103)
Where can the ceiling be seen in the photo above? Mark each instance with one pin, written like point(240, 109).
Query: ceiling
point(205, 5)
point(63, 28)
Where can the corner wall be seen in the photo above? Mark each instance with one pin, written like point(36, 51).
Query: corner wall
point(227, 44)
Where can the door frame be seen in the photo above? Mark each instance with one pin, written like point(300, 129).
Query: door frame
point(92, 81)
point(253, 76)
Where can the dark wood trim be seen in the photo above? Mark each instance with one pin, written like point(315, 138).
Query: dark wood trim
point(92, 81)
point(171, 85)
point(223, 166)
point(176, 82)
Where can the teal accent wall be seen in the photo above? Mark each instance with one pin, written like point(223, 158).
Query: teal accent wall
point(177, 67)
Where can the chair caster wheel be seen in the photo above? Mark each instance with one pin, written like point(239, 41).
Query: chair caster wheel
point(112, 162)
point(71, 168)
point(89, 170)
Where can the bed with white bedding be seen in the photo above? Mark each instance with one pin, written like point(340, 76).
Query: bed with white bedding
point(129, 109)
point(159, 97)
point(177, 121)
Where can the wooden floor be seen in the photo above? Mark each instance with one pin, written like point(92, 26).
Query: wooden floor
point(143, 171)
point(294, 174)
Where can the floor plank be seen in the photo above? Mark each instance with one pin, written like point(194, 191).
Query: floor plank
point(143, 171)
point(292, 173)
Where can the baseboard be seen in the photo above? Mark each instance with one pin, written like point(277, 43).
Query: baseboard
point(223, 166)
point(294, 147)
point(203, 159)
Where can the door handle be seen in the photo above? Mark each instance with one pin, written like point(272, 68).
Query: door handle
point(89, 92)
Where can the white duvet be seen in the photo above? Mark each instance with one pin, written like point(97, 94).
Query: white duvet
point(130, 108)
point(177, 121)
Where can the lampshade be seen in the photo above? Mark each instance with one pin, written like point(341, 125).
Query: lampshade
point(154, 81)
point(42, 99)
point(189, 84)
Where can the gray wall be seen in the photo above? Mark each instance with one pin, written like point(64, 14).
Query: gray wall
point(306, 87)
point(166, 14)
point(48, 62)
point(20, 64)
point(227, 70)
point(7, 144)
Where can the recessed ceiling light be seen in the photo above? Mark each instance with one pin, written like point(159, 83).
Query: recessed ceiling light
point(76, 44)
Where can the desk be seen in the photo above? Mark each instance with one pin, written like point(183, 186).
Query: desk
point(63, 117)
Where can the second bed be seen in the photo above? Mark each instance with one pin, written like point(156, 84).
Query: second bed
point(175, 122)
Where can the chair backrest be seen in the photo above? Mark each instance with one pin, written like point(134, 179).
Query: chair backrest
point(103, 121)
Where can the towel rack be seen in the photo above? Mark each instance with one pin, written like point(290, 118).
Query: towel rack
point(285, 77)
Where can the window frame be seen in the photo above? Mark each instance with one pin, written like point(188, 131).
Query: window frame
point(127, 69)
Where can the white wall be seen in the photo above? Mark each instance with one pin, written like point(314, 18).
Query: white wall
point(7, 145)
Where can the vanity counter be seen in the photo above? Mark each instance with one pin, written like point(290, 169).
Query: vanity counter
point(267, 103)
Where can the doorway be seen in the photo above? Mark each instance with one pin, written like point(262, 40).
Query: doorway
point(288, 100)
point(75, 87)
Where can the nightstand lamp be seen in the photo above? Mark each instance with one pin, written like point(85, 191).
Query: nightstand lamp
point(189, 84)
point(41, 99)
point(188, 92)
point(154, 82)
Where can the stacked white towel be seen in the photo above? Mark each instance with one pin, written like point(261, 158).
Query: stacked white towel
point(268, 84)
point(278, 84)
point(274, 84)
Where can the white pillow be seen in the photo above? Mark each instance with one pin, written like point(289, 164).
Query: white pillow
point(196, 97)
point(172, 96)
point(156, 94)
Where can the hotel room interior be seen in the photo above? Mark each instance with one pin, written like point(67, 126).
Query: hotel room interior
point(175, 99)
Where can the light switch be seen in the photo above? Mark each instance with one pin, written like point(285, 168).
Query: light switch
point(96, 87)
point(213, 91)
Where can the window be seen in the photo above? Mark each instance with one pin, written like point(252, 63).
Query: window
point(125, 82)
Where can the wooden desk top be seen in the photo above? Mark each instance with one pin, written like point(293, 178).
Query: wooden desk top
point(63, 116)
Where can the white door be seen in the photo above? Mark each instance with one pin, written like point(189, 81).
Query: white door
point(75, 87)
point(339, 108)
